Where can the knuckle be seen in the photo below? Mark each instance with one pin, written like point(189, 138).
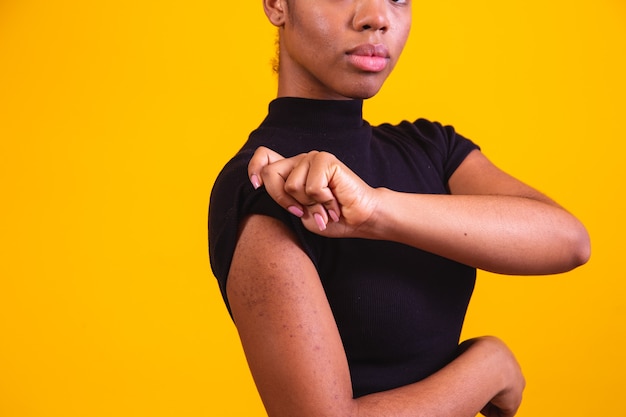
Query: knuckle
point(265, 170)
point(259, 152)
point(326, 156)
point(313, 191)
point(290, 187)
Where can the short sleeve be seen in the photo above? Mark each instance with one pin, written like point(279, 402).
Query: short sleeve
point(232, 199)
point(445, 145)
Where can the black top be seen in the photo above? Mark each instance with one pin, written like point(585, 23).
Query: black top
point(399, 310)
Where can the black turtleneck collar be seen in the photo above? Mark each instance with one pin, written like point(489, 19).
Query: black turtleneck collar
point(308, 114)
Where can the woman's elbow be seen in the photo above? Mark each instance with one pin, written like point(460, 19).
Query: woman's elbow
point(579, 246)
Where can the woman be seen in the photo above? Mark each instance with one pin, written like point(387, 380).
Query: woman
point(346, 253)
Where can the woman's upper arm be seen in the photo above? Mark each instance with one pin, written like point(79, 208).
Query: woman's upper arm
point(478, 176)
point(285, 324)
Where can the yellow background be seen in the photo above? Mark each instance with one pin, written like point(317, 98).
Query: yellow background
point(116, 116)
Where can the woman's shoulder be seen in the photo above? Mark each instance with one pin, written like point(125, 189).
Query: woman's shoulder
point(441, 144)
point(418, 129)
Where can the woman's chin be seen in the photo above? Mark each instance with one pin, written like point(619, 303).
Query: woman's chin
point(363, 90)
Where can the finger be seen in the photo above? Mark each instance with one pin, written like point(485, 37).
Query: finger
point(315, 217)
point(308, 183)
point(262, 157)
point(305, 185)
point(322, 171)
point(274, 176)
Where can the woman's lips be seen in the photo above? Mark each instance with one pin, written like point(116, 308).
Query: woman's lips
point(369, 57)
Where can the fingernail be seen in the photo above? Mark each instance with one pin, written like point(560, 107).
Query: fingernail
point(255, 181)
point(333, 215)
point(319, 220)
point(295, 211)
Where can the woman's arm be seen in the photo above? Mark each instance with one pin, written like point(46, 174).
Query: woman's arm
point(491, 221)
point(297, 359)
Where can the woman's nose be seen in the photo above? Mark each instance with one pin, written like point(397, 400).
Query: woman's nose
point(371, 15)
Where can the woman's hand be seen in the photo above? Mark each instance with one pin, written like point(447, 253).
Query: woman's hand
point(326, 195)
point(507, 401)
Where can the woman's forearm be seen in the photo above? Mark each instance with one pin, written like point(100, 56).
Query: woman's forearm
point(498, 233)
point(484, 372)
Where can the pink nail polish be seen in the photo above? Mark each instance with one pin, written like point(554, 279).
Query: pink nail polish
point(333, 215)
point(255, 181)
point(319, 220)
point(295, 211)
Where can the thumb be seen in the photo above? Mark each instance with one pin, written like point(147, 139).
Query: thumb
point(262, 157)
